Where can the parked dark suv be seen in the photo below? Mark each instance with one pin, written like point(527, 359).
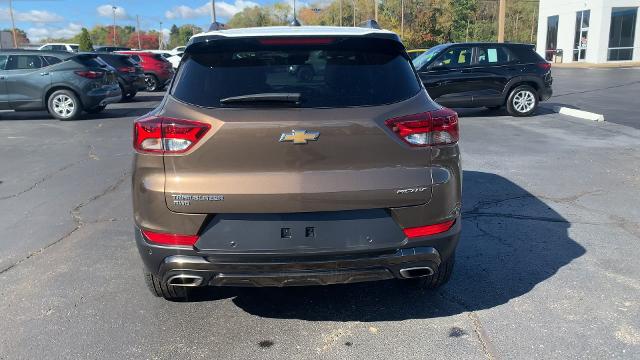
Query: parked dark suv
point(486, 74)
point(63, 83)
point(249, 175)
point(131, 77)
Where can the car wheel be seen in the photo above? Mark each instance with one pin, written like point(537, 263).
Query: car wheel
point(96, 110)
point(160, 289)
point(523, 101)
point(152, 82)
point(439, 278)
point(64, 105)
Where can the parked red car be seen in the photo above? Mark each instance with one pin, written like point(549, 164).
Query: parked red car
point(158, 71)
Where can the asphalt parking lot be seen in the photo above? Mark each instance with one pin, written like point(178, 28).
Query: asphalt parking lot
point(547, 266)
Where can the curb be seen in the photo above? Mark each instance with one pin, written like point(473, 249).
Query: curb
point(579, 113)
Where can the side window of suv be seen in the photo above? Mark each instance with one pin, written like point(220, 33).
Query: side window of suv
point(454, 58)
point(136, 58)
point(52, 60)
point(494, 55)
point(3, 61)
point(24, 62)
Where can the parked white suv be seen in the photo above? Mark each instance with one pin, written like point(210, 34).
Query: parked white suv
point(60, 47)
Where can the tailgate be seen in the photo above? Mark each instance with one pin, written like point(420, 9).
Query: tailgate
point(241, 166)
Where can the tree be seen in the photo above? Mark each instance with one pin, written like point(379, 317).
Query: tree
point(85, 41)
point(148, 41)
point(251, 17)
point(174, 36)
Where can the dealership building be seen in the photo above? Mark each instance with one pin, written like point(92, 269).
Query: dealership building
point(594, 31)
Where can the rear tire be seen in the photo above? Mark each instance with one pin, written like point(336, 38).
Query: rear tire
point(160, 289)
point(152, 82)
point(439, 278)
point(64, 105)
point(522, 101)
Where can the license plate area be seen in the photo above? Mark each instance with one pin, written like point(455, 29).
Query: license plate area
point(301, 233)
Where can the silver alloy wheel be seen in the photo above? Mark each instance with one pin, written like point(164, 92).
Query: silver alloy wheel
point(63, 105)
point(524, 101)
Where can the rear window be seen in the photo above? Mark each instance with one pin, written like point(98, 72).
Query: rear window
point(345, 72)
point(117, 60)
point(89, 61)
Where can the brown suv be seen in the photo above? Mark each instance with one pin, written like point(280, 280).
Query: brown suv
point(248, 175)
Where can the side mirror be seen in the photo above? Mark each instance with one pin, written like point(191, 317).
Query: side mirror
point(437, 67)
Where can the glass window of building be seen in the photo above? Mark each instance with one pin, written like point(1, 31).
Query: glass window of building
point(552, 37)
point(582, 35)
point(622, 33)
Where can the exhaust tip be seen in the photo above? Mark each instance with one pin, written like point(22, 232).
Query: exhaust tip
point(416, 272)
point(185, 280)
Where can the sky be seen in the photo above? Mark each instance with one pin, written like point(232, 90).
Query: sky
point(64, 18)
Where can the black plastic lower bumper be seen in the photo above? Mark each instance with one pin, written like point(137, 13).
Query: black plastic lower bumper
point(300, 273)
point(297, 270)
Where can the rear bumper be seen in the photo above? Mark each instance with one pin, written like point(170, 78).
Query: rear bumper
point(102, 96)
point(545, 93)
point(298, 270)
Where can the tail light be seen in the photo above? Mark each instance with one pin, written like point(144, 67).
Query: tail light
point(427, 129)
point(127, 69)
point(90, 74)
point(163, 135)
point(428, 230)
point(170, 239)
point(546, 66)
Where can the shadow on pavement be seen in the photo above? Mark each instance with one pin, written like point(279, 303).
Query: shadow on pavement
point(511, 242)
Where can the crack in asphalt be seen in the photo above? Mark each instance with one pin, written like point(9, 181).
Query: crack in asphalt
point(91, 156)
point(481, 334)
point(77, 219)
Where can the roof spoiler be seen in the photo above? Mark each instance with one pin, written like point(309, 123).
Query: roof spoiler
point(370, 24)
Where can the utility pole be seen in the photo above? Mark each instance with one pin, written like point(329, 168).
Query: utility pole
point(402, 19)
point(354, 13)
point(213, 12)
point(114, 8)
point(13, 25)
point(160, 37)
point(138, 28)
point(501, 20)
point(375, 10)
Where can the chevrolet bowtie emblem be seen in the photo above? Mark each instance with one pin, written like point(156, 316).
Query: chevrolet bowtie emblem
point(300, 136)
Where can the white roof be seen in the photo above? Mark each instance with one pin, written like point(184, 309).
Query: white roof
point(294, 31)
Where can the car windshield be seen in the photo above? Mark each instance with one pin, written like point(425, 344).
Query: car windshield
point(342, 73)
point(423, 59)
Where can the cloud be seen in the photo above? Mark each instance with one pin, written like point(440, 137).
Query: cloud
point(37, 34)
point(223, 10)
point(107, 11)
point(35, 16)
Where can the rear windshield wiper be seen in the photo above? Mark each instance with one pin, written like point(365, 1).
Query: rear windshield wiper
point(293, 98)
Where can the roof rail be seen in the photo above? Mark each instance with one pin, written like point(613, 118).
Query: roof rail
point(370, 24)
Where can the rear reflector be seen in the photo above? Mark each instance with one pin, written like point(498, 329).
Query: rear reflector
point(162, 135)
point(127, 69)
point(426, 129)
point(296, 41)
point(546, 66)
point(428, 230)
point(170, 239)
